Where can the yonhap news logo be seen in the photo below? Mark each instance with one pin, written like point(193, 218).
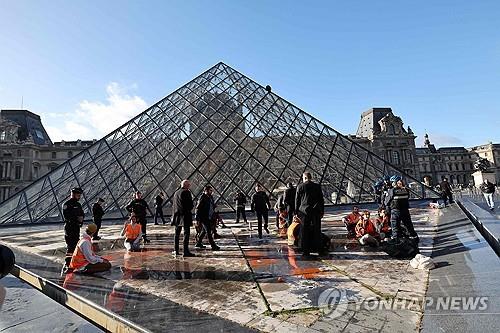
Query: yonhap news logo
point(335, 302)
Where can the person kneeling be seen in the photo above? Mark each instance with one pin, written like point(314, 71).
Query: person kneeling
point(382, 224)
point(366, 232)
point(84, 260)
point(132, 232)
point(351, 220)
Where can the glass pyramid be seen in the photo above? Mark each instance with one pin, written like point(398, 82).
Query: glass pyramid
point(221, 128)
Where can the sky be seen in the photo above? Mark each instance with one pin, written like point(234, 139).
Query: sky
point(86, 67)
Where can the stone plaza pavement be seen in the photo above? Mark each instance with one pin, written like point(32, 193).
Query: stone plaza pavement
point(249, 285)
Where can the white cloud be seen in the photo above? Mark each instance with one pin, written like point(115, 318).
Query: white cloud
point(94, 119)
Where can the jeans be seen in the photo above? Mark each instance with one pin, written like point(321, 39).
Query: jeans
point(207, 230)
point(489, 199)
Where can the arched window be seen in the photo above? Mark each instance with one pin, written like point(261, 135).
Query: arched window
point(392, 129)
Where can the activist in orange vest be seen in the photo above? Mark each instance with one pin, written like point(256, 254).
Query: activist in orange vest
point(351, 220)
point(366, 232)
point(132, 232)
point(84, 260)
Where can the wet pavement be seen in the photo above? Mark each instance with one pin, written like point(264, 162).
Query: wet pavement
point(465, 281)
point(248, 285)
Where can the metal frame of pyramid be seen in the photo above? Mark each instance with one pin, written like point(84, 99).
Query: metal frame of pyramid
point(221, 128)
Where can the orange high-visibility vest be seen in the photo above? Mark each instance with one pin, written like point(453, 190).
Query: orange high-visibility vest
point(132, 231)
point(78, 259)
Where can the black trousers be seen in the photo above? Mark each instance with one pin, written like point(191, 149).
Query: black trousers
point(290, 211)
point(71, 237)
point(398, 217)
point(240, 211)
point(185, 241)
point(207, 230)
point(142, 221)
point(447, 197)
point(98, 223)
point(159, 213)
point(261, 215)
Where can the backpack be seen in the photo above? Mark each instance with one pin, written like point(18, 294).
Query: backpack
point(406, 249)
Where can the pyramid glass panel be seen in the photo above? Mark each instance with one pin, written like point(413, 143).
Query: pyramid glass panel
point(223, 129)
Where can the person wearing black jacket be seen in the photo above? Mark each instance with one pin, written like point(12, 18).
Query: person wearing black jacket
point(446, 191)
point(182, 216)
point(289, 201)
point(398, 200)
point(309, 206)
point(97, 214)
point(261, 205)
point(140, 207)
point(205, 214)
point(73, 220)
point(159, 207)
point(240, 200)
point(488, 189)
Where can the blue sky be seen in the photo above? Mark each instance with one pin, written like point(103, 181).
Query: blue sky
point(87, 66)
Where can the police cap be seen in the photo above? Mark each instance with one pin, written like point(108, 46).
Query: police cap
point(76, 190)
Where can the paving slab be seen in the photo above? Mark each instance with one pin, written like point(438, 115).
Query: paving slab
point(248, 285)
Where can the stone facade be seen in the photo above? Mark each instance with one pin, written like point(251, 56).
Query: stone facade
point(491, 152)
point(27, 152)
point(383, 133)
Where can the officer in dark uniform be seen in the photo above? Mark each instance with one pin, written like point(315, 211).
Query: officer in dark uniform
point(140, 207)
point(398, 199)
point(260, 205)
point(159, 207)
point(289, 201)
point(240, 201)
point(97, 214)
point(73, 221)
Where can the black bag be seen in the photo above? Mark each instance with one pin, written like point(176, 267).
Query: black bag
point(406, 249)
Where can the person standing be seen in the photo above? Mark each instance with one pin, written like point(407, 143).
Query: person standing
point(159, 207)
point(398, 199)
point(447, 192)
point(97, 214)
point(261, 205)
point(488, 189)
point(309, 206)
point(205, 214)
point(73, 220)
point(182, 206)
point(289, 201)
point(140, 207)
point(240, 200)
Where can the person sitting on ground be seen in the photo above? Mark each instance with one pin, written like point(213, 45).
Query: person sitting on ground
point(84, 260)
point(351, 220)
point(366, 231)
point(132, 232)
point(382, 224)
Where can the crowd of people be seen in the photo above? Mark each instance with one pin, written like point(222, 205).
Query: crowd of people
point(299, 211)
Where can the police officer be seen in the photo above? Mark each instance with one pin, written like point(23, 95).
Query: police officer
point(73, 221)
point(240, 200)
point(398, 200)
point(140, 207)
point(159, 207)
point(97, 214)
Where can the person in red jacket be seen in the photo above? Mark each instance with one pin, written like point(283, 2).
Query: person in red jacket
point(351, 220)
point(382, 224)
point(365, 230)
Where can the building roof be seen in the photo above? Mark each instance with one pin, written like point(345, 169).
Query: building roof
point(368, 125)
point(31, 125)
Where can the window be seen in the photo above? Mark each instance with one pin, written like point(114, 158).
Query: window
point(456, 166)
point(54, 155)
point(70, 154)
point(392, 129)
point(35, 172)
point(395, 157)
point(19, 153)
point(18, 171)
point(3, 134)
